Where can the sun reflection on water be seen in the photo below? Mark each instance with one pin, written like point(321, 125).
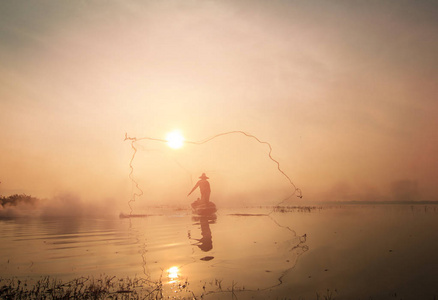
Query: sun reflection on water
point(173, 274)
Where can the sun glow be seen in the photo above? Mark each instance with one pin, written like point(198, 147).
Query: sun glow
point(175, 139)
point(172, 274)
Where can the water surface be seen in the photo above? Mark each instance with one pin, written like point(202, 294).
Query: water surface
point(381, 251)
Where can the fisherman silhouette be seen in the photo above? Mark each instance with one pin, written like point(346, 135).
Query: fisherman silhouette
point(204, 186)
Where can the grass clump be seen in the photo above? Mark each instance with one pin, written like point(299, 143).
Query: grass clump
point(286, 209)
point(81, 288)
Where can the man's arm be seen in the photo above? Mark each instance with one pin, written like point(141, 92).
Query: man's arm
point(194, 188)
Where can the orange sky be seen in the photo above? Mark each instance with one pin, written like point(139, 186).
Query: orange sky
point(346, 93)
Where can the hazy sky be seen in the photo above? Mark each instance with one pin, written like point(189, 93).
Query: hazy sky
point(345, 92)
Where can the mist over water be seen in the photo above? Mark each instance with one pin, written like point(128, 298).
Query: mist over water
point(61, 206)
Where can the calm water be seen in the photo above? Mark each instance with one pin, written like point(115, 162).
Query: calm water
point(383, 252)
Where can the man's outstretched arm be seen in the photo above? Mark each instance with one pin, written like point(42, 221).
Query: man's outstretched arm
point(194, 188)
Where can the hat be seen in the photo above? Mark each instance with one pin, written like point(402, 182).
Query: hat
point(203, 176)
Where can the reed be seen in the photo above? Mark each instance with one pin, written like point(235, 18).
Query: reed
point(105, 287)
point(286, 209)
point(111, 287)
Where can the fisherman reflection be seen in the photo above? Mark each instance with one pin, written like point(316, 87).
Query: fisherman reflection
point(205, 243)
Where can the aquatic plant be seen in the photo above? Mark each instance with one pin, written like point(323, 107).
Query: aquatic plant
point(104, 287)
point(327, 296)
point(299, 208)
point(112, 287)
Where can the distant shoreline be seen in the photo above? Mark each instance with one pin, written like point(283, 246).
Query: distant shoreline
point(366, 203)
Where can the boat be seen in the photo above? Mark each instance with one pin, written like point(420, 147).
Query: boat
point(203, 208)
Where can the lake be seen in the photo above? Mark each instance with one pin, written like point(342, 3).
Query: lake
point(318, 252)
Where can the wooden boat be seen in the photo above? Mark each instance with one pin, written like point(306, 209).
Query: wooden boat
point(203, 208)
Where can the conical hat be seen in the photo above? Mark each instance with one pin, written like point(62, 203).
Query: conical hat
point(203, 176)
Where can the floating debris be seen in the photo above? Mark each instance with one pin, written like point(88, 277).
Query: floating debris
point(207, 258)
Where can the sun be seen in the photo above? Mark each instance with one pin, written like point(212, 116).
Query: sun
point(175, 139)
